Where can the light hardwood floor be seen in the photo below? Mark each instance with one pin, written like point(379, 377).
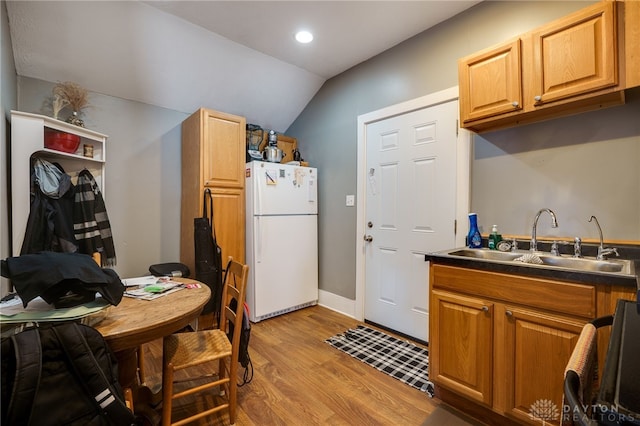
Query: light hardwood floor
point(301, 380)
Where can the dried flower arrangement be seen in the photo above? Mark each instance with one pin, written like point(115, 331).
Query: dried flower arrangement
point(72, 95)
point(57, 103)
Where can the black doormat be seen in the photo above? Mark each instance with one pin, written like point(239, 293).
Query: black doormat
point(398, 358)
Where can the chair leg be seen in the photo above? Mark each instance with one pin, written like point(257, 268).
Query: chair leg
point(167, 393)
point(222, 372)
point(233, 387)
point(141, 376)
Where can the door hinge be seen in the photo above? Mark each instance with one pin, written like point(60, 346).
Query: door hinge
point(455, 227)
point(457, 127)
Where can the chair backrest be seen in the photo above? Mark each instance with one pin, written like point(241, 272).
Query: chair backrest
point(234, 288)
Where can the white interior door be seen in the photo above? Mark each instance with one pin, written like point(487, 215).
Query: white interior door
point(410, 210)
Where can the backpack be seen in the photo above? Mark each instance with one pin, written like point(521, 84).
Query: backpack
point(61, 374)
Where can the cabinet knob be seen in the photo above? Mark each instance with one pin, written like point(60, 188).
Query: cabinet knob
point(515, 104)
point(537, 98)
point(485, 309)
point(508, 313)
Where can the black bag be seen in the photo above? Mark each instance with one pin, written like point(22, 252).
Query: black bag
point(171, 269)
point(208, 255)
point(245, 334)
point(61, 374)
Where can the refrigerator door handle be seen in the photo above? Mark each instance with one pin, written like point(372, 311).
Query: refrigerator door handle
point(258, 195)
point(258, 240)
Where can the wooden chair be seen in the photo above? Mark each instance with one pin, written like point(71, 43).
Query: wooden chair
point(580, 378)
point(184, 350)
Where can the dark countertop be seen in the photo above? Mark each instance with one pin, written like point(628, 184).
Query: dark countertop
point(536, 271)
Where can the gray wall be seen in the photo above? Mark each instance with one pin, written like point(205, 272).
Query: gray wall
point(578, 166)
point(8, 94)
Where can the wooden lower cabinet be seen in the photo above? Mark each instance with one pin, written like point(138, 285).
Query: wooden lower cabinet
point(461, 357)
point(537, 347)
point(502, 347)
point(229, 221)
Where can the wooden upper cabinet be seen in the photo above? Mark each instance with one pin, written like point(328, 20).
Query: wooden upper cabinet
point(491, 82)
point(223, 148)
point(568, 66)
point(575, 55)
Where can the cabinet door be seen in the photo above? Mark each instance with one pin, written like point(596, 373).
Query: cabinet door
point(537, 347)
point(491, 82)
point(228, 219)
point(461, 345)
point(224, 151)
point(575, 55)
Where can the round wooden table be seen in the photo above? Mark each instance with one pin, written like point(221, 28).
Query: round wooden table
point(134, 322)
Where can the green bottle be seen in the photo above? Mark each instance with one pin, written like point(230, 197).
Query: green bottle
point(494, 238)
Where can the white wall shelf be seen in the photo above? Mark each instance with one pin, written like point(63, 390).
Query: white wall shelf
point(27, 142)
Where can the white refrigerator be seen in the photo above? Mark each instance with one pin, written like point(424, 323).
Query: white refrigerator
point(282, 238)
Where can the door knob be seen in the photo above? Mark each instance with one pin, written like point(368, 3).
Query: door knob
point(368, 238)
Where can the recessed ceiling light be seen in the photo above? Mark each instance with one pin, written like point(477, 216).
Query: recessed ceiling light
point(304, 36)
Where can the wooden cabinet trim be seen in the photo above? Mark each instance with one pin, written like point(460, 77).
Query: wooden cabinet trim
point(561, 297)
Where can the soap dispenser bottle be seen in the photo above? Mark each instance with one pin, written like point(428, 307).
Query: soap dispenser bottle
point(474, 239)
point(494, 238)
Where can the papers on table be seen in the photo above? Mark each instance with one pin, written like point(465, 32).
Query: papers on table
point(40, 311)
point(139, 281)
point(149, 288)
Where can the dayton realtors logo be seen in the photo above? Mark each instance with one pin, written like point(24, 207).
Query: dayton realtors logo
point(545, 410)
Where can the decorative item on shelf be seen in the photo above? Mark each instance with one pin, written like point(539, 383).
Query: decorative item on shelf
point(61, 141)
point(88, 150)
point(57, 103)
point(71, 95)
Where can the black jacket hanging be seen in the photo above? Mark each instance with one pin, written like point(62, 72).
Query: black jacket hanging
point(50, 224)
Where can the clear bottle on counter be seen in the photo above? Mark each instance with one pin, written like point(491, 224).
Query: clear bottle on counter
point(494, 238)
point(474, 239)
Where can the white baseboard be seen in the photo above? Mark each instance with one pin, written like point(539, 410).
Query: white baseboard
point(337, 303)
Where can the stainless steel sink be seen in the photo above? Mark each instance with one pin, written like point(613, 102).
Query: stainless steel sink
point(588, 264)
point(486, 254)
point(609, 266)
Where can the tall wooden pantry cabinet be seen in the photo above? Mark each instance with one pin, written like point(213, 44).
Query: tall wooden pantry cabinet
point(213, 156)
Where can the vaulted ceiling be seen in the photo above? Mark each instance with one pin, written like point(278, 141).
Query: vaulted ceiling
point(235, 56)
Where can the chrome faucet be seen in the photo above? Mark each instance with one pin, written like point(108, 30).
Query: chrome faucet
point(602, 251)
point(554, 224)
point(577, 247)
